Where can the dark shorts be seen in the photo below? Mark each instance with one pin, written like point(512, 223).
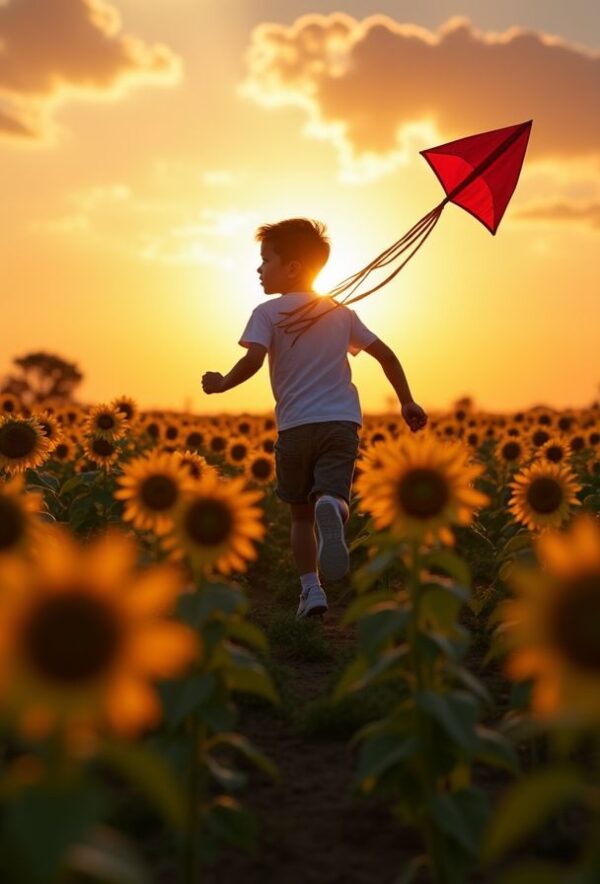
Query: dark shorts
point(316, 458)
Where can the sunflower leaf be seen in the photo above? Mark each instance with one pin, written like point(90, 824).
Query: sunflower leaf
point(528, 804)
point(151, 773)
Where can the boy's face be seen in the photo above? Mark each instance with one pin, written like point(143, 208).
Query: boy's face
point(277, 277)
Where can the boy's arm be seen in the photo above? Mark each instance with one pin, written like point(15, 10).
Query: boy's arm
point(248, 365)
point(412, 413)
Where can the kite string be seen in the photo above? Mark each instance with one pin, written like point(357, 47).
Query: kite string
point(307, 322)
point(382, 260)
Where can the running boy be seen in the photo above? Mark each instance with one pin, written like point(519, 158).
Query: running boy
point(317, 409)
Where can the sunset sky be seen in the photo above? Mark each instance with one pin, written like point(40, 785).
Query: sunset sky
point(142, 142)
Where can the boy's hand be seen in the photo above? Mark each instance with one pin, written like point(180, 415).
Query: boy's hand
point(212, 382)
point(414, 416)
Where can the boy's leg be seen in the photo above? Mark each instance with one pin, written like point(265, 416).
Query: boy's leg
point(302, 535)
point(304, 547)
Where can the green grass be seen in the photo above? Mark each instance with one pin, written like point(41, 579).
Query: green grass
point(297, 639)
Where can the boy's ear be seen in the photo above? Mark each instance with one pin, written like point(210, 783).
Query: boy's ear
point(294, 268)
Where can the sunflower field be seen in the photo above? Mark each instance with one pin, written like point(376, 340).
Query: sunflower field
point(165, 718)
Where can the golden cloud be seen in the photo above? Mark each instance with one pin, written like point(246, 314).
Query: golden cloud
point(51, 50)
point(586, 213)
point(366, 85)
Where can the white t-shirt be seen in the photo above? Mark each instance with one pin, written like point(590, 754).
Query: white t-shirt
point(311, 381)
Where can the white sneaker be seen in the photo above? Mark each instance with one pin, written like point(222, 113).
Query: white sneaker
point(334, 559)
point(312, 601)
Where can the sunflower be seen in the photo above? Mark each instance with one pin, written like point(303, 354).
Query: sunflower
point(267, 443)
point(23, 444)
point(421, 487)
point(260, 468)
point(237, 451)
point(64, 450)
point(194, 438)
point(20, 525)
point(555, 450)
point(510, 450)
point(51, 426)
point(151, 487)
point(127, 406)
point(103, 452)
point(215, 524)
point(81, 634)
point(194, 463)
point(106, 422)
point(539, 436)
point(553, 624)
point(9, 404)
point(543, 494)
point(217, 443)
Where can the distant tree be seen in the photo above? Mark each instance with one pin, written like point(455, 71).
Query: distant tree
point(42, 376)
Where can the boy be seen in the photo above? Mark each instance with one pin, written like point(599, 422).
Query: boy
point(317, 410)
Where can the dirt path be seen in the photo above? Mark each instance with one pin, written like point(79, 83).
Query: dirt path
point(312, 828)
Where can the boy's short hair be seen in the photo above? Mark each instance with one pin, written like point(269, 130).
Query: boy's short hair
point(298, 239)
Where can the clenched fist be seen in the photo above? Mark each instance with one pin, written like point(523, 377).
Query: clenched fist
point(212, 382)
point(414, 416)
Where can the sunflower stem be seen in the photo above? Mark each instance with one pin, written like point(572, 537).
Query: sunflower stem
point(429, 831)
point(192, 855)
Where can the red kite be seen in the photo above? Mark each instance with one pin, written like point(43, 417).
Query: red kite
point(478, 173)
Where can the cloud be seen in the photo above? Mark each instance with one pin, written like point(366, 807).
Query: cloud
point(587, 213)
point(372, 86)
point(113, 216)
point(50, 51)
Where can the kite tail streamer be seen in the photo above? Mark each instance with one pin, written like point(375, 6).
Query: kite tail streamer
point(298, 321)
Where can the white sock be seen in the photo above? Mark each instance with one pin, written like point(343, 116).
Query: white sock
point(308, 580)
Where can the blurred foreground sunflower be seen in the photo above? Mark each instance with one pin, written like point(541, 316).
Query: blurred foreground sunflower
point(543, 495)
point(420, 487)
point(20, 525)
point(552, 626)
point(82, 632)
point(23, 444)
point(215, 524)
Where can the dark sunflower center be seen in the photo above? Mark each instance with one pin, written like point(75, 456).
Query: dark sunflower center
point(554, 453)
point(12, 523)
point(208, 522)
point(102, 447)
point(422, 493)
point(153, 430)
point(261, 468)
point(540, 437)
point(576, 622)
point(194, 440)
point(511, 450)
point(106, 422)
point(171, 432)
point(17, 439)
point(218, 443)
point(61, 451)
point(244, 427)
point(159, 492)
point(577, 443)
point(71, 637)
point(269, 446)
point(238, 451)
point(544, 495)
point(125, 409)
point(8, 406)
